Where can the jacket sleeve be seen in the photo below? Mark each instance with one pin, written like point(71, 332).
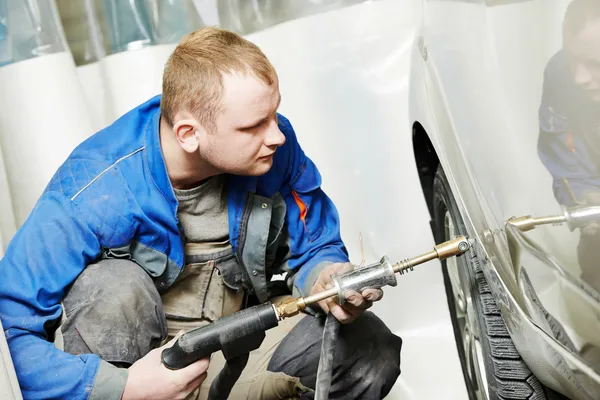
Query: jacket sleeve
point(566, 156)
point(312, 218)
point(560, 146)
point(44, 257)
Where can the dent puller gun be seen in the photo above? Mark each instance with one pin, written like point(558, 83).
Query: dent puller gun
point(243, 331)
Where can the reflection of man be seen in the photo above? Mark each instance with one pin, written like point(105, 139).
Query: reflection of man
point(569, 142)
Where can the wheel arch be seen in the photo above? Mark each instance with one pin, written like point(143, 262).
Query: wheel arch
point(426, 161)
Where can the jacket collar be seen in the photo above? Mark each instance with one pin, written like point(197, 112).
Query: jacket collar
point(156, 161)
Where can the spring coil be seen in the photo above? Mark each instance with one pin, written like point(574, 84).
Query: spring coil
point(404, 267)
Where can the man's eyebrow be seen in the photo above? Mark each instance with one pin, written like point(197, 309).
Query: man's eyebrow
point(254, 124)
point(249, 126)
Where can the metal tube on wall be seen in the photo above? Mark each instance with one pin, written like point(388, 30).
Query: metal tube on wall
point(43, 113)
point(7, 217)
point(81, 22)
point(142, 36)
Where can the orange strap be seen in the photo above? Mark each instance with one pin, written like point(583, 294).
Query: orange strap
point(301, 206)
point(570, 142)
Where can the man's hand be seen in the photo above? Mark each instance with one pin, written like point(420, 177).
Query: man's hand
point(150, 379)
point(592, 228)
point(356, 303)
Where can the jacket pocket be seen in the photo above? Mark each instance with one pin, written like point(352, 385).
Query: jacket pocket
point(154, 262)
point(275, 229)
point(199, 294)
point(308, 198)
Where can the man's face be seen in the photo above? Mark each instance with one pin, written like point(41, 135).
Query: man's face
point(247, 133)
point(583, 52)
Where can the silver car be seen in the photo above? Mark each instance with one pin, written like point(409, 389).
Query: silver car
point(505, 114)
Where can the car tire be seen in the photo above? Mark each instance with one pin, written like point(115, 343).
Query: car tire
point(506, 374)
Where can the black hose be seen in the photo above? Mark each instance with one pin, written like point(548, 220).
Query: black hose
point(223, 383)
point(325, 370)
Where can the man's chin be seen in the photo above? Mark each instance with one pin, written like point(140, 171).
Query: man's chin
point(257, 169)
point(593, 95)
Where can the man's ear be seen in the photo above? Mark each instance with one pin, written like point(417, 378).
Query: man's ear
point(187, 132)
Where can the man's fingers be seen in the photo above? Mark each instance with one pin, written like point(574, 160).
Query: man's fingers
point(193, 385)
point(341, 315)
point(372, 294)
point(357, 311)
point(591, 229)
point(355, 299)
point(324, 306)
point(195, 369)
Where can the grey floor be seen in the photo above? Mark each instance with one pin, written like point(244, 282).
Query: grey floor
point(344, 84)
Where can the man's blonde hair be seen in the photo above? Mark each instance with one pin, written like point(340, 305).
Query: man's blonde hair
point(192, 79)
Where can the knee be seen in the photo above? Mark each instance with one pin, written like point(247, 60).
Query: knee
point(372, 353)
point(110, 284)
point(113, 310)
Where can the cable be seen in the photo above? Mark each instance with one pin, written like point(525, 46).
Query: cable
point(223, 383)
point(325, 370)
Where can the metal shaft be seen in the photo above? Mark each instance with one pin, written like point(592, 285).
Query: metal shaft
point(315, 298)
point(528, 222)
point(402, 266)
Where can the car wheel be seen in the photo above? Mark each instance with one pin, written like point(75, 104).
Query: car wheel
point(492, 366)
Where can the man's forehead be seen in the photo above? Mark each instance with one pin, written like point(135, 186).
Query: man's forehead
point(242, 91)
point(237, 83)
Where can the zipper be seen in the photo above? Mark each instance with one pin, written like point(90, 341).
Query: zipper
point(242, 239)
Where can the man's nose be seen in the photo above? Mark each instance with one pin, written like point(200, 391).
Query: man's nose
point(582, 75)
point(274, 137)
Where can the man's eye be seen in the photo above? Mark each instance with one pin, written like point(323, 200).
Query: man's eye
point(249, 128)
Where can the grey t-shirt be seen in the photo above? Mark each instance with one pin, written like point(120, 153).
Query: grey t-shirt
point(203, 211)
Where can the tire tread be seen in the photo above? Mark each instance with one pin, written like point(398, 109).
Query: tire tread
point(512, 379)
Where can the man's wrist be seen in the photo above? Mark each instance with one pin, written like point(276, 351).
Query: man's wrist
point(109, 383)
point(309, 283)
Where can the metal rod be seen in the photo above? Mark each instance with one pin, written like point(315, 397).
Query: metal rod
point(528, 222)
point(411, 262)
point(555, 219)
point(315, 298)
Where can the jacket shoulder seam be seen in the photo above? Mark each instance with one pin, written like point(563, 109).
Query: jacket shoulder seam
point(105, 171)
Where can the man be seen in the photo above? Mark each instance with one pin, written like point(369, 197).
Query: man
point(177, 214)
point(569, 141)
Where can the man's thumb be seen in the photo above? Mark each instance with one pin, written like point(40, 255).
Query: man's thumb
point(172, 341)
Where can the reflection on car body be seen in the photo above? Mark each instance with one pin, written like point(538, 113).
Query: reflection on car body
point(507, 96)
point(569, 147)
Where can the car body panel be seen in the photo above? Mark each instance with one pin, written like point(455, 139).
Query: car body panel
point(476, 86)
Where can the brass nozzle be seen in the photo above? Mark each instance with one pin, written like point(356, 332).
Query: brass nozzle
point(290, 307)
point(457, 246)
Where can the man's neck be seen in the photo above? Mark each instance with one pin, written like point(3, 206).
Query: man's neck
point(185, 170)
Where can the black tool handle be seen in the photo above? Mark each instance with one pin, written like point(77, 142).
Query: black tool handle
point(236, 334)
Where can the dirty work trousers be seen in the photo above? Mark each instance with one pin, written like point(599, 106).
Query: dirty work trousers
point(114, 310)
